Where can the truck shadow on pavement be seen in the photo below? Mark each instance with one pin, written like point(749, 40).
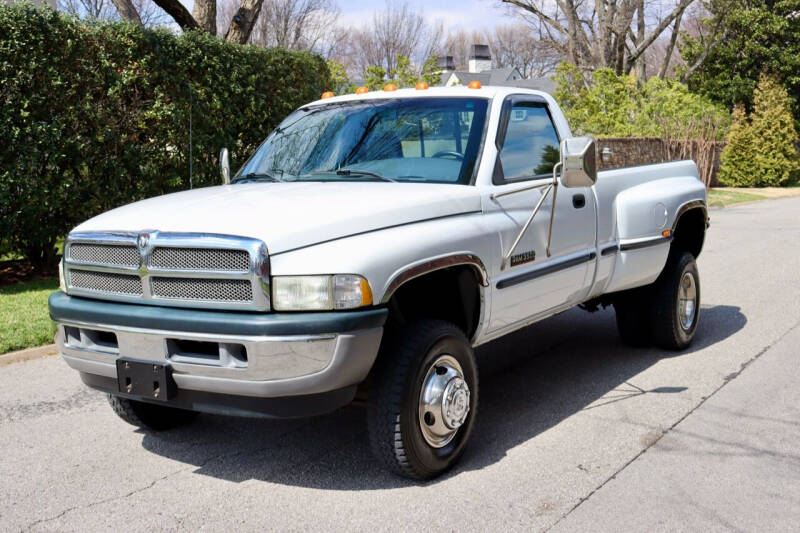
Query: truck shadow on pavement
point(530, 381)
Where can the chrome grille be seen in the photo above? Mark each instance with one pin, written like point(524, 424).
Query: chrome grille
point(200, 259)
point(223, 290)
point(171, 269)
point(105, 282)
point(104, 254)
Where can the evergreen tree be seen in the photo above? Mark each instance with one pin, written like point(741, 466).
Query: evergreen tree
point(737, 168)
point(775, 158)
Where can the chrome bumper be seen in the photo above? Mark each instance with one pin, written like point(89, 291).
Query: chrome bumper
point(266, 366)
point(275, 366)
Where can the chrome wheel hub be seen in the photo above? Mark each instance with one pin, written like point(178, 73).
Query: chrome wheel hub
point(443, 401)
point(687, 301)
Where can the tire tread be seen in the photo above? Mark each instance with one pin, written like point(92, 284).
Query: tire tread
point(386, 398)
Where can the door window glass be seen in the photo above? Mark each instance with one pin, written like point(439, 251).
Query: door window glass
point(530, 148)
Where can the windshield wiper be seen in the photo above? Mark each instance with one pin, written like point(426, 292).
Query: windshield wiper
point(256, 176)
point(353, 172)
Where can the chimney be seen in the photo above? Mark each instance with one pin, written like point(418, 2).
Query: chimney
point(446, 63)
point(479, 58)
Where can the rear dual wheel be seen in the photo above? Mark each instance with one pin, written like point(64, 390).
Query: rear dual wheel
point(665, 313)
point(423, 400)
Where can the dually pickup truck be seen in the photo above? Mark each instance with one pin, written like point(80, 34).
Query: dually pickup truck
point(366, 247)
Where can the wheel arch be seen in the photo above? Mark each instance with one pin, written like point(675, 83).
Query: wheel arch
point(689, 228)
point(448, 288)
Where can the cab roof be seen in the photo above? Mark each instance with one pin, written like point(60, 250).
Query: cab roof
point(488, 92)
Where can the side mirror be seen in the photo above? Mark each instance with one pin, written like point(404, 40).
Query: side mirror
point(578, 162)
point(225, 165)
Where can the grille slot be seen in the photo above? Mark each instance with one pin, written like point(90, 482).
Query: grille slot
point(200, 259)
point(105, 254)
point(221, 290)
point(105, 282)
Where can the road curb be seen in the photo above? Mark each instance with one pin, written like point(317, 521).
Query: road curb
point(28, 354)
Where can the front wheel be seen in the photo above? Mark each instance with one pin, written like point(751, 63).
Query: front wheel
point(423, 399)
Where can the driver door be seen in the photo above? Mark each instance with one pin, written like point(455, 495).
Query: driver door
point(533, 282)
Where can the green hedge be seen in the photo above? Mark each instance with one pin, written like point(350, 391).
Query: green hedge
point(93, 117)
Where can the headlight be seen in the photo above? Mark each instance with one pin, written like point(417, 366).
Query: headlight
point(62, 284)
point(308, 293)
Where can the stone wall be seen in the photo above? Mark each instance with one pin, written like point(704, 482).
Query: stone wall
point(634, 151)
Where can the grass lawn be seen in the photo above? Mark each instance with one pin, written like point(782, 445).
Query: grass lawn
point(24, 321)
point(724, 198)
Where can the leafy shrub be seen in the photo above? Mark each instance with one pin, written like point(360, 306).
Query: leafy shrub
point(774, 133)
point(93, 117)
point(761, 151)
point(737, 169)
point(608, 105)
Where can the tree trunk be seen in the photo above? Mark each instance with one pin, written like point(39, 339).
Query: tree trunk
point(672, 40)
point(243, 21)
point(205, 13)
point(641, 64)
point(127, 11)
point(176, 10)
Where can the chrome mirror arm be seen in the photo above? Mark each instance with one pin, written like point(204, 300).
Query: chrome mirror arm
point(553, 210)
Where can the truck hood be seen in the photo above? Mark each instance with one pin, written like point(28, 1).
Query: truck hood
point(290, 215)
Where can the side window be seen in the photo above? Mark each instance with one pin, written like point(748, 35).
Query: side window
point(530, 147)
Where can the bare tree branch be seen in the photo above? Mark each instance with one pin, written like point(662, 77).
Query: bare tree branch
point(593, 33)
point(181, 15)
point(673, 39)
point(126, 10)
point(527, 6)
point(659, 29)
point(699, 61)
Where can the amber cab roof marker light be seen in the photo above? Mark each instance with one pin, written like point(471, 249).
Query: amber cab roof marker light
point(421, 86)
point(390, 87)
point(328, 94)
point(474, 84)
point(362, 90)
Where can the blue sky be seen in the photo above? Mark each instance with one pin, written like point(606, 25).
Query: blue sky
point(456, 14)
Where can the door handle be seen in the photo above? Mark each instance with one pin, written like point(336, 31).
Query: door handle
point(578, 201)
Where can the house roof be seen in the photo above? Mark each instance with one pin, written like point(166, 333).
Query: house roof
point(497, 76)
point(540, 84)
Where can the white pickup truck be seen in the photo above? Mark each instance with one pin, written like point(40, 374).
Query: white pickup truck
point(368, 245)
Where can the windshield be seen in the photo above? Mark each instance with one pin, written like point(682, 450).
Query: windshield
point(433, 140)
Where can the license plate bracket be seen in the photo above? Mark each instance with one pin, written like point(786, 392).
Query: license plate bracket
point(146, 379)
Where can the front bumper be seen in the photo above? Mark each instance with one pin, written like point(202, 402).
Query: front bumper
point(223, 361)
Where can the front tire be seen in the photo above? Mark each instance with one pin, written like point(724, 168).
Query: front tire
point(148, 415)
point(423, 399)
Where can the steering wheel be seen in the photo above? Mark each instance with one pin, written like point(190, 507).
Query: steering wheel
point(446, 153)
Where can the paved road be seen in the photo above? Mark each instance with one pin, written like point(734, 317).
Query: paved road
point(575, 431)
